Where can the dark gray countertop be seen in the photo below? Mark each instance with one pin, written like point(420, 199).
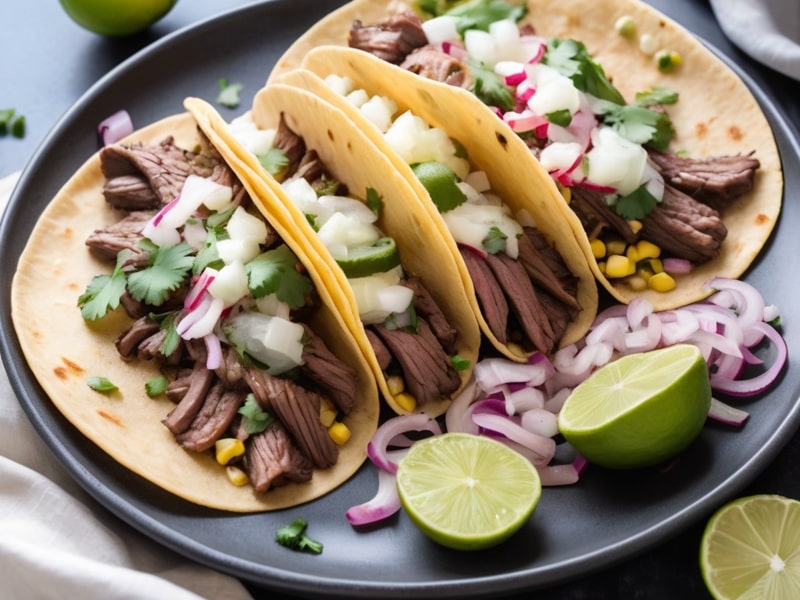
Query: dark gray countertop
point(49, 62)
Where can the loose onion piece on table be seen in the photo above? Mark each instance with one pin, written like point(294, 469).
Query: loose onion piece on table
point(510, 401)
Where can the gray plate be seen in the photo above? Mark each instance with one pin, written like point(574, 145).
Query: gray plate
point(607, 517)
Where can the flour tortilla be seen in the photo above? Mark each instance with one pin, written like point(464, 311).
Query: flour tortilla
point(353, 160)
point(64, 351)
point(716, 114)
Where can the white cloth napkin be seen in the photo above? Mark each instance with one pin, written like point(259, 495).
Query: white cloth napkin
point(767, 30)
point(57, 542)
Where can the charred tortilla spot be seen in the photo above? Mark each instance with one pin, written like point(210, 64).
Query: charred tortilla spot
point(701, 129)
point(74, 367)
point(762, 219)
point(735, 133)
point(113, 418)
point(330, 135)
point(60, 372)
point(502, 139)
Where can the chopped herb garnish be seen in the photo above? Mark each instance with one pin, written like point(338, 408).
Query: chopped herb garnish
point(408, 323)
point(374, 201)
point(101, 384)
point(9, 123)
point(635, 205)
point(102, 294)
point(490, 87)
point(208, 255)
point(171, 339)
point(254, 418)
point(479, 14)
point(294, 536)
point(560, 117)
point(168, 268)
point(326, 187)
point(459, 362)
point(275, 272)
point(274, 161)
point(495, 241)
point(156, 386)
point(572, 59)
point(639, 123)
point(229, 93)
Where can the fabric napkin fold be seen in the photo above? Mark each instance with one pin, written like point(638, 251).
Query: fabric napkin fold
point(767, 30)
point(57, 542)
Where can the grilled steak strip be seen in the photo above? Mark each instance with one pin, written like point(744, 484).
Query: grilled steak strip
point(108, 241)
point(537, 264)
point(391, 40)
point(271, 460)
point(180, 418)
point(596, 215)
point(432, 63)
point(331, 376)
point(219, 408)
point(491, 298)
point(714, 180)
point(427, 371)
point(127, 343)
point(292, 145)
point(427, 308)
point(382, 353)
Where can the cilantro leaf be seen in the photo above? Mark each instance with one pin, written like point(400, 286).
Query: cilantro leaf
point(254, 418)
point(208, 255)
point(657, 95)
point(459, 362)
point(489, 87)
point(374, 201)
point(560, 117)
point(168, 268)
point(571, 59)
point(275, 272)
point(636, 205)
point(639, 124)
point(294, 536)
point(274, 161)
point(156, 386)
point(102, 385)
point(479, 14)
point(102, 294)
point(495, 241)
point(229, 93)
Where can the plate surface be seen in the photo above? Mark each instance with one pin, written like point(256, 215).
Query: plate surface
point(603, 519)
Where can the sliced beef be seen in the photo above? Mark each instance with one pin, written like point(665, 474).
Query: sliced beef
point(382, 353)
point(127, 343)
point(181, 417)
point(332, 377)
point(714, 180)
point(152, 348)
point(684, 228)
point(432, 63)
point(546, 268)
point(298, 409)
point(125, 234)
point(427, 308)
point(391, 40)
point(219, 408)
point(492, 300)
point(292, 145)
point(596, 215)
point(271, 459)
point(231, 370)
point(426, 367)
point(523, 300)
point(131, 192)
point(177, 388)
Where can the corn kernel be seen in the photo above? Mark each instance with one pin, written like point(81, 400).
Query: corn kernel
point(616, 247)
point(339, 433)
point(395, 384)
point(668, 61)
point(226, 449)
point(327, 413)
point(236, 476)
point(619, 266)
point(637, 282)
point(406, 401)
point(633, 254)
point(598, 248)
point(636, 226)
point(647, 249)
point(661, 282)
point(656, 265)
point(625, 26)
point(602, 266)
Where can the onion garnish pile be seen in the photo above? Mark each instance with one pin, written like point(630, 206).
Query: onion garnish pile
point(517, 404)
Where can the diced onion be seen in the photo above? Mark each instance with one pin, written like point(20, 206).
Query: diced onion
point(115, 127)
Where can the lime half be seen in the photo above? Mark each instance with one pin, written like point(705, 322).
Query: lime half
point(378, 257)
point(639, 410)
point(441, 183)
point(751, 549)
point(466, 491)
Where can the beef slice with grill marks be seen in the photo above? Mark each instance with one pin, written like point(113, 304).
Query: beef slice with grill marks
point(181, 417)
point(271, 459)
point(213, 419)
point(492, 300)
point(392, 40)
point(331, 376)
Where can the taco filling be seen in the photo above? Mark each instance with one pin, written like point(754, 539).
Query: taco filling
point(611, 159)
point(225, 308)
point(411, 336)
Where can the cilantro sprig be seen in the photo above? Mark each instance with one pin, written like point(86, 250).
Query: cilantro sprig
point(474, 14)
point(254, 418)
point(275, 272)
point(168, 268)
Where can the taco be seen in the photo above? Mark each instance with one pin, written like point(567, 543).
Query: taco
point(358, 220)
point(211, 342)
point(532, 289)
point(684, 161)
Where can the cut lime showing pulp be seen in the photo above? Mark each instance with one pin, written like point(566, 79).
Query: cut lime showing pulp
point(466, 491)
point(368, 260)
point(639, 410)
point(751, 549)
point(441, 183)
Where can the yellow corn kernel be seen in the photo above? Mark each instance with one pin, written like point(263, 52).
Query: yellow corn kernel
point(616, 247)
point(565, 192)
point(633, 254)
point(656, 265)
point(618, 265)
point(226, 449)
point(598, 248)
point(647, 249)
point(637, 282)
point(602, 266)
point(636, 226)
point(327, 413)
point(661, 282)
point(396, 384)
point(236, 476)
point(406, 401)
point(339, 433)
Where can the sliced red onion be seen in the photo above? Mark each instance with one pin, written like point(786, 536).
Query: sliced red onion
point(201, 321)
point(514, 79)
point(384, 504)
point(542, 446)
point(554, 475)
point(456, 417)
point(676, 266)
point(115, 127)
point(200, 287)
point(378, 447)
point(647, 338)
point(539, 421)
point(749, 304)
point(725, 413)
point(214, 351)
point(523, 399)
point(494, 373)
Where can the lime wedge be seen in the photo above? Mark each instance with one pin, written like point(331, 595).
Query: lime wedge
point(639, 410)
point(751, 549)
point(440, 181)
point(378, 257)
point(466, 491)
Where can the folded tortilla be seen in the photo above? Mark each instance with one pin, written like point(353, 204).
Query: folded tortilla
point(64, 351)
point(354, 161)
point(716, 115)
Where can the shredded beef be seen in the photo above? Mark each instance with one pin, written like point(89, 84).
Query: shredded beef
point(330, 376)
point(492, 300)
point(181, 417)
point(217, 412)
point(271, 459)
point(127, 343)
point(596, 215)
point(714, 180)
point(231, 370)
point(684, 228)
point(432, 63)
point(391, 40)
point(546, 268)
point(382, 353)
point(427, 371)
point(292, 145)
point(125, 234)
point(426, 307)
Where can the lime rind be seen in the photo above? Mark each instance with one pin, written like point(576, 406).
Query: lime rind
point(379, 257)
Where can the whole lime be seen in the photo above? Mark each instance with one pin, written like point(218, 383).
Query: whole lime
point(116, 18)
